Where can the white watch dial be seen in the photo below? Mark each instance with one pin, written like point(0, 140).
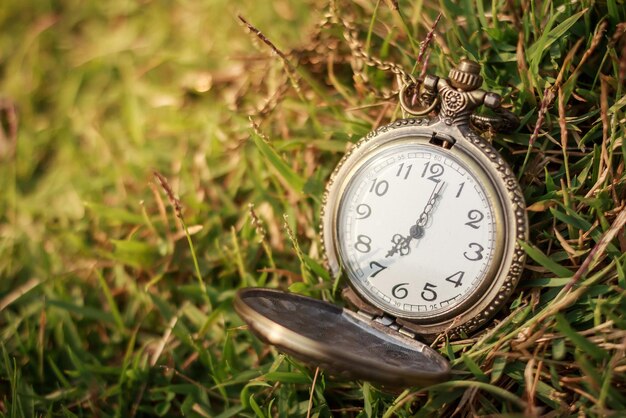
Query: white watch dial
point(416, 231)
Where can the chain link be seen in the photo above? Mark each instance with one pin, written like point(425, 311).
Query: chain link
point(358, 49)
point(351, 34)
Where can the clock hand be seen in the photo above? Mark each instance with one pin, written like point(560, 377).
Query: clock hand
point(430, 205)
point(401, 243)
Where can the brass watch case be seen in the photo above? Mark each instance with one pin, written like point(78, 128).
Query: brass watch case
point(502, 189)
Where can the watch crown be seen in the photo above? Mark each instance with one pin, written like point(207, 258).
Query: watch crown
point(466, 75)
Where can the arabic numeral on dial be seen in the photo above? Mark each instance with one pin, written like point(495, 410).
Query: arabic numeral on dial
point(476, 253)
point(456, 278)
point(460, 189)
point(380, 267)
point(436, 171)
point(428, 294)
point(399, 292)
point(379, 187)
point(408, 170)
point(363, 244)
point(474, 216)
point(364, 211)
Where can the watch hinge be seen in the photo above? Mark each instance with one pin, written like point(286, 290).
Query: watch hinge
point(405, 331)
point(370, 313)
point(391, 323)
point(386, 320)
point(366, 315)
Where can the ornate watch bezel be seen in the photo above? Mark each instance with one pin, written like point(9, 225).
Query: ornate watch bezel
point(508, 205)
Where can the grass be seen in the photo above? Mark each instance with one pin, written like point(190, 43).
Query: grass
point(116, 302)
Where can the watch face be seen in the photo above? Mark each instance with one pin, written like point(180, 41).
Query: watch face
point(416, 230)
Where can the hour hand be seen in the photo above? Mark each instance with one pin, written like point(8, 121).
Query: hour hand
point(400, 245)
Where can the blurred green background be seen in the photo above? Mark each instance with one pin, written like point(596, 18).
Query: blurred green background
point(111, 305)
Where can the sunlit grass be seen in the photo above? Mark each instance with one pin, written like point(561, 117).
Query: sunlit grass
point(103, 310)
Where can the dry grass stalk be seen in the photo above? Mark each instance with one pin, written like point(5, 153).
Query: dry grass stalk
point(566, 64)
point(598, 250)
point(310, 407)
point(617, 40)
point(174, 201)
point(257, 130)
point(267, 42)
point(606, 126)
point(257, 223)
point(291, 70)
point(548, 96)
point(595, 41)
point(420, 62)
point(563, 126)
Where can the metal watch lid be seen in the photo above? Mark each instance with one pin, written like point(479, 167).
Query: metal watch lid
point(339, 340)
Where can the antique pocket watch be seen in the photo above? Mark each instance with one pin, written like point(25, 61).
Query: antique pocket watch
point(423, 216)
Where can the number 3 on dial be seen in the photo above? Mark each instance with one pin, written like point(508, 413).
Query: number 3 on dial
point(476, 253)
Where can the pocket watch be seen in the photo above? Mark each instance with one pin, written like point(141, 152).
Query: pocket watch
point(424, 218)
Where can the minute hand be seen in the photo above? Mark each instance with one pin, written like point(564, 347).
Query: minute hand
point(423, 218)
point(401, 243)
